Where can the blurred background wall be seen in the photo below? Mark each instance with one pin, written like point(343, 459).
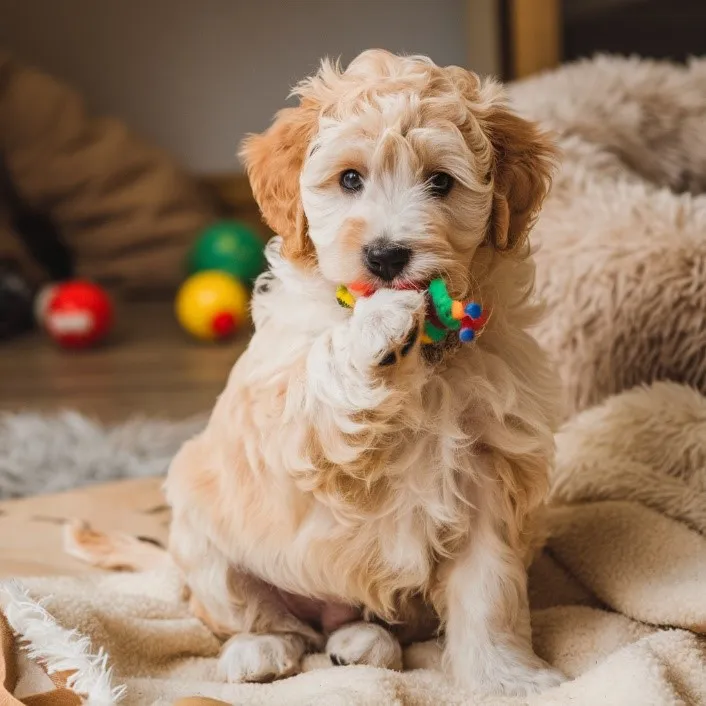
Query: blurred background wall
point(196, 75)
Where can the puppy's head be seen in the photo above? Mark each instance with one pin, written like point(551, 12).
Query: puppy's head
point(395, 171)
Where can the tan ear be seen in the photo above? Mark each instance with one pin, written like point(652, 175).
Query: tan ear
point(524, 158)
point(273, 161)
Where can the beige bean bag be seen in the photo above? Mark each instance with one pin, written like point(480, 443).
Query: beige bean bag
point(621, 242)
point(124, 209)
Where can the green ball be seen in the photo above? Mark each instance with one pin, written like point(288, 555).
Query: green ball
point(230, 247)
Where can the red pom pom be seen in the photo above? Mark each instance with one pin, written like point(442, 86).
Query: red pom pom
point(474, 324)
point(361, 289)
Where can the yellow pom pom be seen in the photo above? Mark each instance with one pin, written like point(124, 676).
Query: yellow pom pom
point(344, 297)
point(212, 305)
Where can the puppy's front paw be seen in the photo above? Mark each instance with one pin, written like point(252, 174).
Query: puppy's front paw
point(510, 677)
point(364, 643)
point(260, 658)
point(387, 325)
point(527, 680)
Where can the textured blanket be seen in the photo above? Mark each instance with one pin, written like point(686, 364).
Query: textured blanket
point(618, 594)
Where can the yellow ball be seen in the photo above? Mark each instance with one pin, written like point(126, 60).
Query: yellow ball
point(212, 305)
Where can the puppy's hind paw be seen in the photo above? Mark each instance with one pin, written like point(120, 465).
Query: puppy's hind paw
point(260, 658)
point(364, 643)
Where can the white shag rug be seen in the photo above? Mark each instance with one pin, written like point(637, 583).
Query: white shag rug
point(50, 453)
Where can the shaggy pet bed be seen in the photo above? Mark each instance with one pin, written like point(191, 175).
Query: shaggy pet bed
point(621, 242)
point(617, 597)
point(48, 454)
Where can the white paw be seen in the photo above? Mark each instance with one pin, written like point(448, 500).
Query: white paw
point(531, 681)
point(364, 643)
point(258, 658)
point(517, 678)
point(388, 324)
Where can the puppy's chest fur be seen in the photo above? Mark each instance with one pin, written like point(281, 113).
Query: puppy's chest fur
point(379, 552)
point(366, 516)
point(373, 532)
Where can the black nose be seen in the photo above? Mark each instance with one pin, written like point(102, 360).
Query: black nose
point(386, 260)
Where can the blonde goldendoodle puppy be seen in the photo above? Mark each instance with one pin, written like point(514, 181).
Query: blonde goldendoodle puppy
point(355, 488)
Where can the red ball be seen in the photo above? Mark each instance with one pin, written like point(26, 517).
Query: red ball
point(76, 314)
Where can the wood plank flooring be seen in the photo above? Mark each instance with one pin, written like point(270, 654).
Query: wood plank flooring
point(31, 529)
point(149, 367)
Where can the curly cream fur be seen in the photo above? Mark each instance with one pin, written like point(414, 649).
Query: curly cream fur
point(324, 475)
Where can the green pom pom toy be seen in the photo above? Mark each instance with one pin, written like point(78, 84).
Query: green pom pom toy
point(230, 247)
point(444, 314)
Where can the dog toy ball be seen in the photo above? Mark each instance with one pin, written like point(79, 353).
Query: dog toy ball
point(231, 247)
point(212, 305)
point(76, 314)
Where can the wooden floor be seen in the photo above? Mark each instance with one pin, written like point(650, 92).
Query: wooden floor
point(32, 529)
point(148, 367)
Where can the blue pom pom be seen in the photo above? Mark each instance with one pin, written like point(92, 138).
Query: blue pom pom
point(466, 335)
point(474, 310)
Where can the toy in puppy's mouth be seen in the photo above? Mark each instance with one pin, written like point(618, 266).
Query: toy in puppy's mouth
point(444, 314)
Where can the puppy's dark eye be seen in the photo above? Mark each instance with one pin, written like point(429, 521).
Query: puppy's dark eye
point(440, 183)
point(351, 180)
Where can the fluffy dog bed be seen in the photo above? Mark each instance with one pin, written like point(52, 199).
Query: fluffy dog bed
point(621, 242)
point(617, 597)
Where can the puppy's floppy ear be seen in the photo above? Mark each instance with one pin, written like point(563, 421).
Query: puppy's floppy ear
point(524, 160)
point(273, 161)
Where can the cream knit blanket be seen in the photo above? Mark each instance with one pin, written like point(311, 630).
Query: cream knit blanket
point(618, 595)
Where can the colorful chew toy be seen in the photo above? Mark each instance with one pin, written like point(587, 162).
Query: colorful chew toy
point(444, 314)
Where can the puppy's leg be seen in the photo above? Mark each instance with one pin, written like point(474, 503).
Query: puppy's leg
point(486, 616)
point(383, 331)
point(368, 362)
point(266, 640)
point(364, 643)
point(363, 382)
